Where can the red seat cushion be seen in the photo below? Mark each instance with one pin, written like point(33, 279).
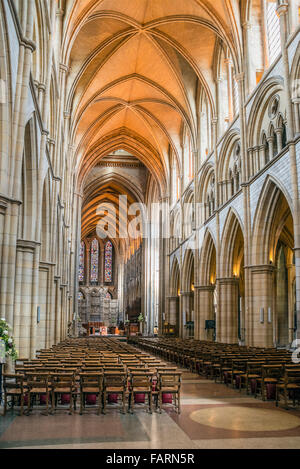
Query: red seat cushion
point(43, 399)
point(113, 398)
point(166, 398)
point(237, 381)
point(271, 390)
point(139, 398)
point(253, 385)
point(91, 399)
point(65, 399)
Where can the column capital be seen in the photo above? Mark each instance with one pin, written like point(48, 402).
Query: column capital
point(186, 293)
point(205, 287)
point(247, 25)
point(60, 12)
point(282, 9)
point(263, 268)
point(51, 141)
point(63, 67)
point(228, 280)
point(7, 200)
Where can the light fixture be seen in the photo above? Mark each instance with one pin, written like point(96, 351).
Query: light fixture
point(269, 315)
point(262, 315)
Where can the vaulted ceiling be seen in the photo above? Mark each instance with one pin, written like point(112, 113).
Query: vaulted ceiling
point(136, 70)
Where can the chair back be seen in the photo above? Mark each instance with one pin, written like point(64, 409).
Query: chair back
point(115, 379)
point(139, 379)
point(62, 380)
point(91, 380)
point(12, 381)
point(169, 379)
point(38, 381)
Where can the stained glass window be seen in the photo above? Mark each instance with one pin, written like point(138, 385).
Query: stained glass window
point(81, 263)
point(108, 262)
point(94, 260)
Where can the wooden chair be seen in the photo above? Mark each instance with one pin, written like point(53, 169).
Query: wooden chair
point(140, 383)
point(169, 383)
point(13, 386)
point(289, 384)
point(38, 385)
point(253, 371)
point(90, 383)
point(115, 382)
point(239, 367)
point(271, 374)
point(62, 384)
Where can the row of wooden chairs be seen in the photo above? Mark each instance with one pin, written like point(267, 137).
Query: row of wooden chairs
point(99, 385)
point(261, 371)
point(79, 367)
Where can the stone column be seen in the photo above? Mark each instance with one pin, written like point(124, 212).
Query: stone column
point(8, 257)
point(296, 107)
point(229, 84)
point(227, 316)
point(291, 277)
point(205, 311)
point(251, 162)
point(262, 151)
point(57, 309)
point(249, 65)
point(25, 319)
point(278, 133)
point(262, 297)
point(185, 308)
point(257, 162)
point(173, 318)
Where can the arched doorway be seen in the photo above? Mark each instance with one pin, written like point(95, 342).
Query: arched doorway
point(274, 269)
point(231, 282)
point(187, 295)
point(206, 318)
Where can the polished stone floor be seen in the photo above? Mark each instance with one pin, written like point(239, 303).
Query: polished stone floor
point(213, 416)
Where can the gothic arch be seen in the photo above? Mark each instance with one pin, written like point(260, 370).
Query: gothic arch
point(207, 262)
point(188, 271)
point(272, 213)
point(259, 107)
point(232, 247)
point(175, 278)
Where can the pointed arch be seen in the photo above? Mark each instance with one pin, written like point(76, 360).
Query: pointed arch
point(207, 264)
point(273, 212)
point(188, 271)
point(175, 278)
point(232, 246)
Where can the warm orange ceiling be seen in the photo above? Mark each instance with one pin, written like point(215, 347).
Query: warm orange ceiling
point(135, 70)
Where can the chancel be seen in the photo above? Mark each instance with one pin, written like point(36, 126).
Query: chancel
point(149, 224)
